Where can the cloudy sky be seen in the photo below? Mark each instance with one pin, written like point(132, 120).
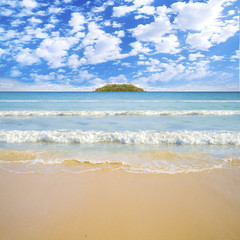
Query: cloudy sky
point(78, 45)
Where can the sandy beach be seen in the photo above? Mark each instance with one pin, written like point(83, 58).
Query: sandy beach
point(120, 205)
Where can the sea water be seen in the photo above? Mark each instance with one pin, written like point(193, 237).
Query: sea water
point(139, 132)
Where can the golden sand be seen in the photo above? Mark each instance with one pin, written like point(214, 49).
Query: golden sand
point(114, 205)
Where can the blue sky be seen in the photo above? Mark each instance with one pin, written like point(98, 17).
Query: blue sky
point(79, 45)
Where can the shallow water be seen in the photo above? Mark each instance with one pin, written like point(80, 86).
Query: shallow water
point(137, 132)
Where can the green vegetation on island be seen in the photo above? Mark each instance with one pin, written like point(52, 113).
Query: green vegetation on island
point(119, 88)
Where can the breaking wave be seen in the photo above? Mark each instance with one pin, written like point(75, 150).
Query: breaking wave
point(122, 137)
point(192, 101)
point(156, 161)
point(117, 113)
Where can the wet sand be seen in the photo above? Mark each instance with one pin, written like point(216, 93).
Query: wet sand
point(114, 205)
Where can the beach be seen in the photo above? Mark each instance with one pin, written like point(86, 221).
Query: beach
point(120, 205)
point(119, 166)
point(119, 120)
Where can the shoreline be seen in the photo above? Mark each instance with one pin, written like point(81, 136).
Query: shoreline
point(119, 205)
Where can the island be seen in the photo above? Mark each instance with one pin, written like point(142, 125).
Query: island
point(119, 88)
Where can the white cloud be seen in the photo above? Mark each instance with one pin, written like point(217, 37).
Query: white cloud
point(8, 35)
point(99, 9)
point(225, 31)
point(158, 32)
point(120, 33)
point(138, 48)
point(139, 3)
point(2, 51)
point(53, 20)
point(54, 50)
point(197, 15)
point(168, 44)
point(207, 19)
point(231, 12)
point(74, 62)
point(197, 71)
point(85, 75)
point(149, 10)
point(116, 25)
point(17, 22)
point(42, 77)
point(26, 57)
point(29, 3)
point(15, 72)
point(122, 10)
point(13, 85)
point(199, 41)
point(40, 34)
point(103, 6)
point(6, 12)
point(77, 22)
point(153, 31)
point(140, 16)
point(118, 79)
point(100, 46)
point(236, 56)
point(34, 20)
point(194, 56)
point(41, 13)
point(55, 10)
point(170, 70)
point(126, 64)
point(216, 58)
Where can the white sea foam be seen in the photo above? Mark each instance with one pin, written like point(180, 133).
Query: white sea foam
point(123, 137)
point(186, 101)
point(117, 113)
point(151, 161)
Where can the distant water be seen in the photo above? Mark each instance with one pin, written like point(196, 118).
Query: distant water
point(143, 132)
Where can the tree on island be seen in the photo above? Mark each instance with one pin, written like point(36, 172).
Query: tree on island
point(119, 88)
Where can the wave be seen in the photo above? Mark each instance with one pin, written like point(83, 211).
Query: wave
point(157, 161)
point(122, 137)
point(117, 113)
point(185, 101)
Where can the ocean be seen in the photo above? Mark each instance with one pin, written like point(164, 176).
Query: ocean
point(137, 132)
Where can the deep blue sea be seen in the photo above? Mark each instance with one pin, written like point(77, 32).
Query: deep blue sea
point(139, 132)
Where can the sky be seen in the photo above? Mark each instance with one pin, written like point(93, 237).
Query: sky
point(79, 45)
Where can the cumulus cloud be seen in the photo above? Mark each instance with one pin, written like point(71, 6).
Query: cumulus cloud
point(29, 3)
point(148, 35)
point(149, 10)
point(34, 20)
point(13, 85)
point(74, 62)
point(54, 50)
point(100, 46)
point(206, 19)
point(236, 56)
point(118, 79)
point(77, 22)
point(15, 72)
point(217, 58)
point(121, 11)
point(2, 51)
point(153, 31)
point(194, 56)
point(158, 32)
point(138, 48)
point(27, 57)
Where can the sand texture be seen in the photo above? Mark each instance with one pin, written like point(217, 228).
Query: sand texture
point(114, 205)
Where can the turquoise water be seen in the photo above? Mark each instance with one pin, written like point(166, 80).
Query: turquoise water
point(142, 132)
